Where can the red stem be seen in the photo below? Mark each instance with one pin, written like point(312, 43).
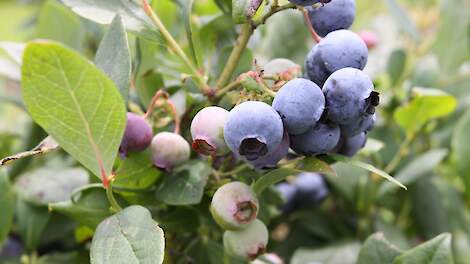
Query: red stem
point(171, 105)
point(314, 34)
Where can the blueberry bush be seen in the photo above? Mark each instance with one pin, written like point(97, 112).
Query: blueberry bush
point(234, 131)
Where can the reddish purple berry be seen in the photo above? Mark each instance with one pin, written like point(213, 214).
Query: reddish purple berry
point(137, 136)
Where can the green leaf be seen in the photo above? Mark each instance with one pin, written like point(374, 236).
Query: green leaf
point(57, 22)
point(137, 171)
point(89, 208)
point(461, 148)
point(403, 19)
point(130, 236)
point(185, 185)
point(416, 168)
point(337, 254)
point(48, 185)
point(75, 103)
point(396, 65)
point(114, 57)
point(7, 204)
point(377, 249)
point(312, 164)
point(31, 221)
point(273, 177)
point(186, 7)
point(103, 12)
point(427, 104)
point(435, 251)
point(368, 167)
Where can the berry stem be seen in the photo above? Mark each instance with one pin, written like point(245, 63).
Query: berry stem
point(176, 117)
point(110, 195)
point(198, 77)
point(172, 108)
point(314, 34)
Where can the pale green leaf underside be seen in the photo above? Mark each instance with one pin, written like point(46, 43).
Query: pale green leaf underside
point(74, 102)
point(114, 57)
point(128, 237)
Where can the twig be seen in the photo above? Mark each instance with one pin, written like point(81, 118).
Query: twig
point(314, 34)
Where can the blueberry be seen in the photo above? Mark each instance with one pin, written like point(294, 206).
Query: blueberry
point(247, 243)
point(305, 2)
point(339, 14)
point(207, 130)
point(12, 248)
point(137, 136)
point(363, 124)
point(254, 129)
point(351, 145)
point(270, 161)
point(289, 194)
point(348, 94)
point(300, 103)
point(311, 188)
point(319, 139)
point(169, 150)
point(339, 49)
point(234, 206)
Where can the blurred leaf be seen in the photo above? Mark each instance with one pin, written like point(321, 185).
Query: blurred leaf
point(137, 171)
point(427, 104)
point(426, 72)
point(14, 50)
point(48, 185)
point(147, 85)
point(312, 164)
point(31, 221)
point(273, 177)
point(75, 103)
point(339, 254)
point(130, 236)
point(435, 251)
point(46, 146)
point(57, 22)
point(461, 147)
point(419, 167)
point(113, 57)
point(224, 5)
point(89, 208)
point(376, 249)
point(396, 65)
point(185, 185)
point(403, 19)
point(103, 12)
point(428, 211)
point(186, 7)
point(73, 257)
point(393, 233)
point(244, 65)
point(7, 204)
point(180, 220)
point(368, 167)
point(372, 146)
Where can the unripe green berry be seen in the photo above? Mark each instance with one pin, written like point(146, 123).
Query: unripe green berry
point(247, 243)
point(234, 206)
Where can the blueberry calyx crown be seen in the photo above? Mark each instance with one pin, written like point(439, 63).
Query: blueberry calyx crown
point(253, 148)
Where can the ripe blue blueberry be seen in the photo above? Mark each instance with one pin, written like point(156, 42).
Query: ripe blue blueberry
point(351, 145)
point(207, 131)
point(339, 14)
point(169, 150)
point(11, 248)
point(319, 139)
point(254, 129)
point(307, 2)
point(348, 94)
point(339, 49)
point(363, 124)
point(311, 188)
point(247, 243)
point(289, 194)
point(137, 136)
point(300, 103)
point(270, 161)
point(234, 206)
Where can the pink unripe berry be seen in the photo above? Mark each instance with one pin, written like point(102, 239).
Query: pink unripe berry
point(370, 38)
point(169, 150)
point(207, 131)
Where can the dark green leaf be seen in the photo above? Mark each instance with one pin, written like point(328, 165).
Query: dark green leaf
point(137, 172)
point(130, 236)
point(75, 103)
point(89, 208)
point(185, 185)
point(416, 168)
point(7, 204)
point(48, 185)
point(376, 249)
point(113, 56)
point(368, 167)
point(103, 12)
point(435, 251)
point(31, 221)
point(273, 177)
